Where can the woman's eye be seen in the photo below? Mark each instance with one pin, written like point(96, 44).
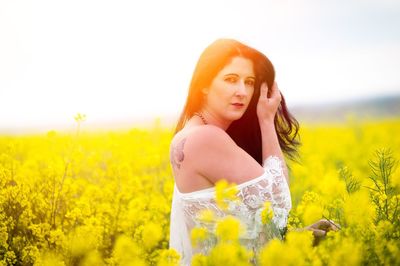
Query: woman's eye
point(230, 79)
point(250, 82)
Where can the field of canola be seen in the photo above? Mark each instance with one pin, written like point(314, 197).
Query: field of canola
point(104, 199)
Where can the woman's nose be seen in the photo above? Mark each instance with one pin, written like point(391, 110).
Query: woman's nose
point(241, 89)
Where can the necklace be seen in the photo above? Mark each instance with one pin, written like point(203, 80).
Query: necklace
point(201, 117)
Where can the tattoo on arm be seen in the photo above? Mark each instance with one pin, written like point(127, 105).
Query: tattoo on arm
point(177, 155)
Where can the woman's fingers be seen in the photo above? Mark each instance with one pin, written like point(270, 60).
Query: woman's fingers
point(331, 225)
point(319, 233)
point(275, 93)
point(263, 91)
point(267, 106)
point(335, 227)
point(328, 225)
point(321, 228)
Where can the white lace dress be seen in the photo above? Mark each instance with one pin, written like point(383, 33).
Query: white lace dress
point(271, 186)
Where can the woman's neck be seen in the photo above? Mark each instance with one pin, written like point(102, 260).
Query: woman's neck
point(211, 119)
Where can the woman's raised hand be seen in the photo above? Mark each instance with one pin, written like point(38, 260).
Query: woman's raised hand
point(267, 106)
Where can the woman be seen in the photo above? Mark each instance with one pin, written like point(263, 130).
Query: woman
point(234, 126)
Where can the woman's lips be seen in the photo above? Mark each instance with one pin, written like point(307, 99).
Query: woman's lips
point(238, 105)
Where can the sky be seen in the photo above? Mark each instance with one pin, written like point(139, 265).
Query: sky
point(130, 60)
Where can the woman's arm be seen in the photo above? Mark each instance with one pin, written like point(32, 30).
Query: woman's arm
point(270, 145)
point(266, 110)
point(211, 152)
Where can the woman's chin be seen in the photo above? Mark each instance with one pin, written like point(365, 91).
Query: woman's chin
point(236, 115)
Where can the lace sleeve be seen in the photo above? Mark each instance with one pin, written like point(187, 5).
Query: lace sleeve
point(281, 199)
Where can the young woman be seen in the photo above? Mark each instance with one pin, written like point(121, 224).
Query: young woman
point(235, 126)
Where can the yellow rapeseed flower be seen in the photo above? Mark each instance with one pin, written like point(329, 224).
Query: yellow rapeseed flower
point(198, 235)
point(229, 229)
point(151, 235)
point(225, 192)
point(206, 216)
point(358, 210)
point(229, 253)
point(296, 250)
point(199, 260)
point(312, 213)
point(267, 213)
point(349, 253)
point(169, 257)
point(127, 252)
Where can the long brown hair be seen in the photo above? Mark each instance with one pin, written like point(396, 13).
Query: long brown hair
point(246, 130)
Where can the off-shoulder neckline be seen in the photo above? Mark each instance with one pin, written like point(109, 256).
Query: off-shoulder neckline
point(210, 191)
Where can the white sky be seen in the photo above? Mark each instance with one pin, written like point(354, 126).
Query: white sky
point(116, 60)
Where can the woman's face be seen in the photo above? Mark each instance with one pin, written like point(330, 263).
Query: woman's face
point(231, 90)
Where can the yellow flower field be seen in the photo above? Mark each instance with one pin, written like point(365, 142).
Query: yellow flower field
point(104, 199)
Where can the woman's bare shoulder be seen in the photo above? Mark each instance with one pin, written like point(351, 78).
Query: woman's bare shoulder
point(210, 152)
point(189, 145)
point(205, 135)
